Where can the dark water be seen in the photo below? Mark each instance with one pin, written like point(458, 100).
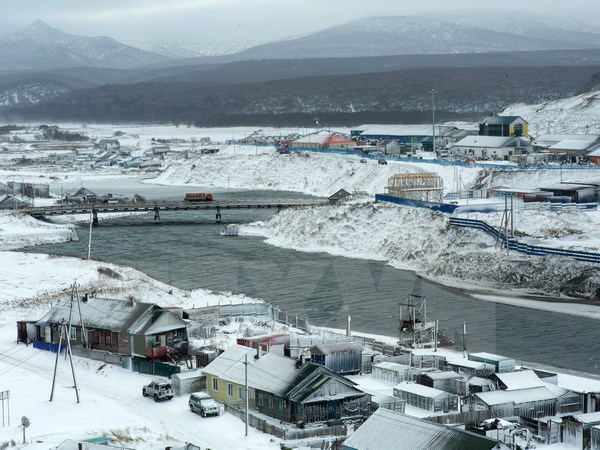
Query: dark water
point(187, 251)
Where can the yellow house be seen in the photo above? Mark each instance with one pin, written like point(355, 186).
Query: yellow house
point(225, 375)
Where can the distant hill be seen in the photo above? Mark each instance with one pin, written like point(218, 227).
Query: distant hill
point(409, 35)
point(41, 47)
point(403, 95)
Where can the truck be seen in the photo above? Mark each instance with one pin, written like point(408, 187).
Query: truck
point(159, 390)
point(204, 404)
point(198, 197)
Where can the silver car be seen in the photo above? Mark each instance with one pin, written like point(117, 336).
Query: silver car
point(204, 404)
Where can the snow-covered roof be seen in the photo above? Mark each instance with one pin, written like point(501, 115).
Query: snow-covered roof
point(522, 379)
point(418, 389)
point(270, 373)
point(442, 375)
point(517, 396)
point(315, 138)
point(409, 433)
point(188, 375)
point(502, 120)
point(490, 356)
point(391, 366)
point(477, 381)
point(477, 365)
point(115, 315)
point(546, 140)
point(566, 187)
point(490, 141)
point(570, 144)
point(587, 417)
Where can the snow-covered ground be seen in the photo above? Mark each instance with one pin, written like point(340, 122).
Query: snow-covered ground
point(406, 238)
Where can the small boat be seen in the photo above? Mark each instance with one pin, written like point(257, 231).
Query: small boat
point(230, 230)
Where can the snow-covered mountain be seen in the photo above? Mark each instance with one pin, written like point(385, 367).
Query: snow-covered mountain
point(443, 34)
point(194, 50)
point(572, 115)
point(39, 47)
point(30, 92)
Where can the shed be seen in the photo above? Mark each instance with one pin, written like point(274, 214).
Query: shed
point(427, 398)
point(11, 202)
point(528, 403)
point(442, 380)
point(338, 196)
point(577, 429)
point(409, 433)
point(579, 193)
point(187, 382)
point(343, 358)
point(470, 368)
point(520, 379)
point(500, 363)
point(392, 372)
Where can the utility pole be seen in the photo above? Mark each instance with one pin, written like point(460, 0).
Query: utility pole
point(465, 338)
point(246, 388)
point(90, 237)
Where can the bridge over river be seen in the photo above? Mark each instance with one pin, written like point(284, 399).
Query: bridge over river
point(157, 206)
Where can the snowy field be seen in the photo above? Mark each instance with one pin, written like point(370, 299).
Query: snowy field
point(406, 238)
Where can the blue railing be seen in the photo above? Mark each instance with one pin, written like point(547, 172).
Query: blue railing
point(442, 207)
point(441, 162)
point(514, 244)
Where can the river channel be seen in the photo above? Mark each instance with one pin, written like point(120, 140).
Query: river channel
point(186, 249)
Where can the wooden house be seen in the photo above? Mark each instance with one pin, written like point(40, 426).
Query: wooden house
point(338, 196)
point(282, 388)
point(343, 358)
point(392, 372)
point(118, 326)
point(82, 195)
point(389, 429)
point(8, 201)
point(470, 368)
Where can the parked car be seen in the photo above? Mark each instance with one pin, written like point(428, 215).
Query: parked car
point(159, 390)
point(383, 162)
point(204, 404)
point(363, 160)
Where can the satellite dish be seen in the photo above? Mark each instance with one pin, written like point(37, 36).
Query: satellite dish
point(25, 421)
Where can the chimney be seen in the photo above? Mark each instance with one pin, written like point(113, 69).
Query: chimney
point(348, 327)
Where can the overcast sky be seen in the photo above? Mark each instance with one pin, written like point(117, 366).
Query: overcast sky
point(192, 21)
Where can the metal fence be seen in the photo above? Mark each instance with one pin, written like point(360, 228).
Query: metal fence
point(154, 368)
point(441, 207)
point(49, 346)
point(514, 244)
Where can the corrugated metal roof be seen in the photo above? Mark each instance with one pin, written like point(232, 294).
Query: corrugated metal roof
point(110, 314)
point(477, 365)
point(387, 429)
point(418, 389)
point(392, 366)
point(588, 417)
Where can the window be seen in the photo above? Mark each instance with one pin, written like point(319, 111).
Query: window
point(241, 390)
point(215, 384)
point(108, 339)
point(229, 390)
point(73, 333)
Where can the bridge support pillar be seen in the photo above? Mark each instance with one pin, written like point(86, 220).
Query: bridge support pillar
point(95, 218)
point(156, 214)
point(218, 216)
